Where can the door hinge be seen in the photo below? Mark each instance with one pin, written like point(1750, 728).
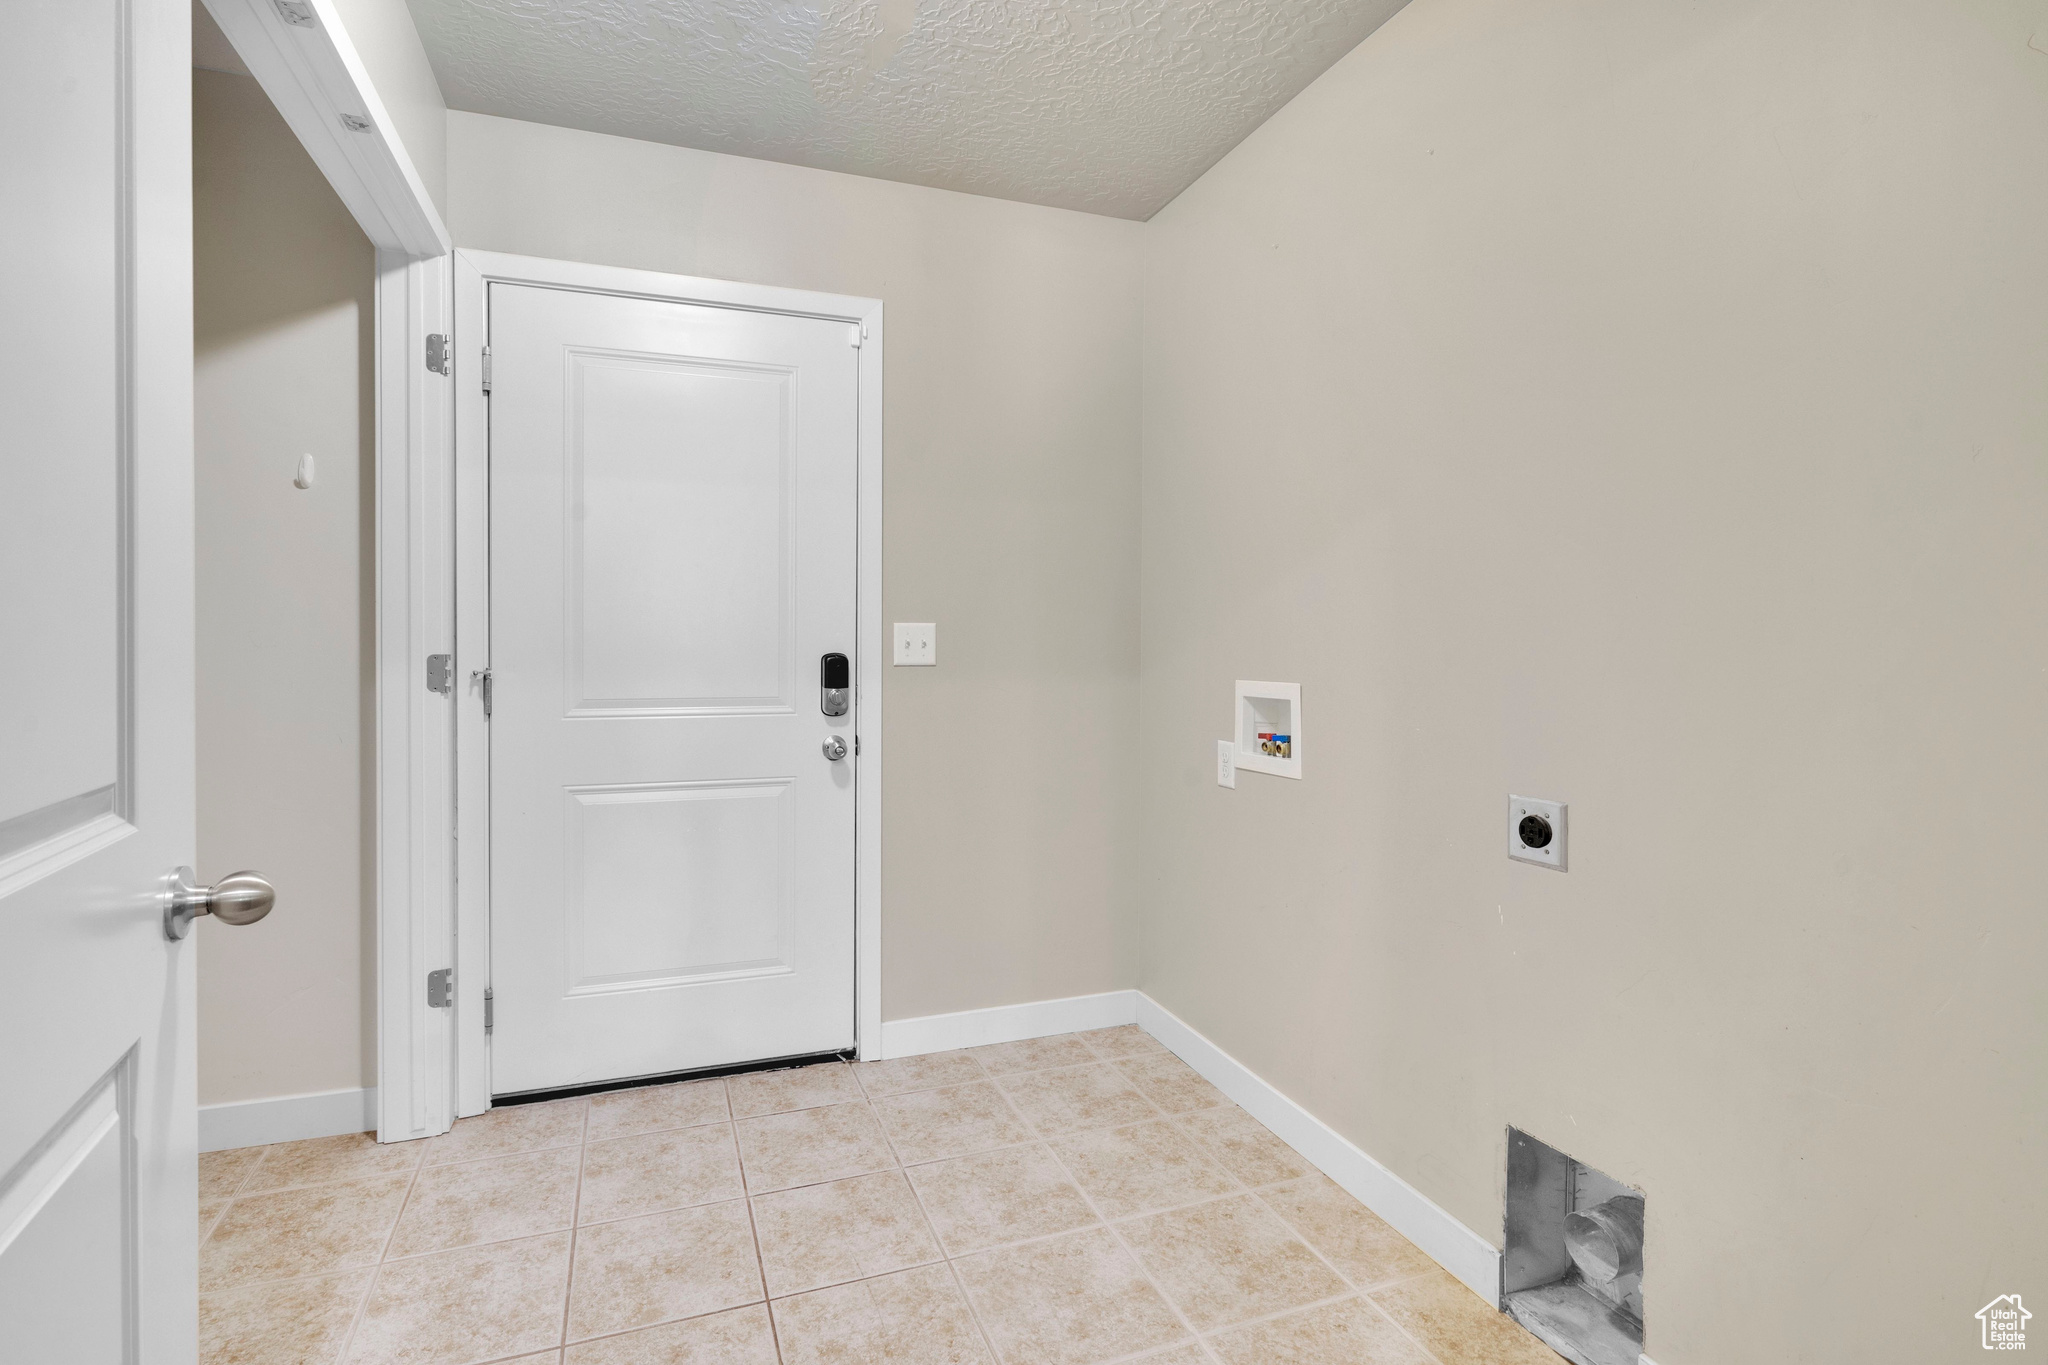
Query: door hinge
point(487, 369)
point(490, 1011)
point(437, 353)
point(482, 681)
point(856, 746)
point(441, 674)
point(441, 988)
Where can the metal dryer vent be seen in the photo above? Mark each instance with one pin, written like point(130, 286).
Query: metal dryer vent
point(1573, 1269)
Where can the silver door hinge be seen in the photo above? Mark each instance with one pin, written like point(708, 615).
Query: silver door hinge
point(481, 680)
point(437, 353)
point(441, 988)
point(490, 1011)
point(487, 369)
point(441, 674)
point(856, 746)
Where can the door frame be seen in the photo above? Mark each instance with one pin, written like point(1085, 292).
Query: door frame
point(474, 272)
point(317, 81)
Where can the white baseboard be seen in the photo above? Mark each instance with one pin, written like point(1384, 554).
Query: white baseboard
point(288, 1118)
point(1411, 1213)
point(1007, 1023)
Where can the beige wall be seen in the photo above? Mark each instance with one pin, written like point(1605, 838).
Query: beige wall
point(1640, 405)
point(282, 310)
point(389, 46)
point(1011, 429)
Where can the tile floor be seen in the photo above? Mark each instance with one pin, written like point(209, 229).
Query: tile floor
point(1076, 1200)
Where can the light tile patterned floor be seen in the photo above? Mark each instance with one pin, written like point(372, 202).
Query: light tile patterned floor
point(1077, 1200)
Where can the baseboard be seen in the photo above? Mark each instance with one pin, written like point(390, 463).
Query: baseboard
point(1007, 1023)
point(1411, 1213)
point(287, 1118)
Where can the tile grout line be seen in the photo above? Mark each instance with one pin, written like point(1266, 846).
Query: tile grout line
point(355, 1322)
point(754, 1227)
point(1201, 1343)
point(232, 1194)
point(1137, 1260)
point(575, 1223)
point(1363, 1294)
point(945, 1257)
point(1277, 1314)
point(1089, 1199)
point(1257, 1193)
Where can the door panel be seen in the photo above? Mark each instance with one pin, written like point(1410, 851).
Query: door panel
point(672, 548)
point(679, 883)
point(98, 1176)
point(60, 724)
point(65, 1222)
point(680, 551)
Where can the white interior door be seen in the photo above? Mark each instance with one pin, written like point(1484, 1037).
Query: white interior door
point(672, 552)
point(97, 1128)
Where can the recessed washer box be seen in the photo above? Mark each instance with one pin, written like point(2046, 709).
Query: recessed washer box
point(1268, 728)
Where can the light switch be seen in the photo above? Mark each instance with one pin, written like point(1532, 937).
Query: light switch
point(916, 643)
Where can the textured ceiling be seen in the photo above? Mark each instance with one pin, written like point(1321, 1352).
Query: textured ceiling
point(1112, 106)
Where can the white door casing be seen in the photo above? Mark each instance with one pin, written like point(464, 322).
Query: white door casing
point(98, 1131)
point(673, 545)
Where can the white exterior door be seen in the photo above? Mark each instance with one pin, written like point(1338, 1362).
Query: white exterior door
point(98, 1191)
point(672, 492)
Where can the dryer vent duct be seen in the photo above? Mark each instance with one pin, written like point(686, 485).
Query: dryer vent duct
point(1573, 1269)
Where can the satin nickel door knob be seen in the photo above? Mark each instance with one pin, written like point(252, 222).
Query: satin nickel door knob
point(835, 748)
point(238, 898)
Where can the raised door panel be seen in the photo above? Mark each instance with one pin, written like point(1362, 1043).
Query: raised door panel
point(680, 501)
point(62, 388)
point(66, 1226)
point(678, 883)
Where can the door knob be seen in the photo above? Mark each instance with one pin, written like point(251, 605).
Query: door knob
point(835, 748)
point(238, 898)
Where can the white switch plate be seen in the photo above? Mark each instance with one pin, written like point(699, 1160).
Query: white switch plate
point(916, 643)
point(1226, 763)
point(1551, 854)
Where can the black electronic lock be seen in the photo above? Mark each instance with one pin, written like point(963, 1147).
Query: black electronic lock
point(835, 685)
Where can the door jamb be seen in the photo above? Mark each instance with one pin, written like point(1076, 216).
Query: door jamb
point(415, 829)
point(310, 69)
point(474, 271)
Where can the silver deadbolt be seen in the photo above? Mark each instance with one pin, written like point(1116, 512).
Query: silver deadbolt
point(238, 898)
point(835, 748)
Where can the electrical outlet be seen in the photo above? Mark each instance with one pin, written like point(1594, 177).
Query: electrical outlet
point(1226, 763)
point(1536, 831)
point(916, 643)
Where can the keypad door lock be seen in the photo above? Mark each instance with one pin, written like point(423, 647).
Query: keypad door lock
point(835, 685)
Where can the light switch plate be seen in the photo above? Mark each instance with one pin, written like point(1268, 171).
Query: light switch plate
point(1549, 818)
point(916, 643)
point(1226, 763)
